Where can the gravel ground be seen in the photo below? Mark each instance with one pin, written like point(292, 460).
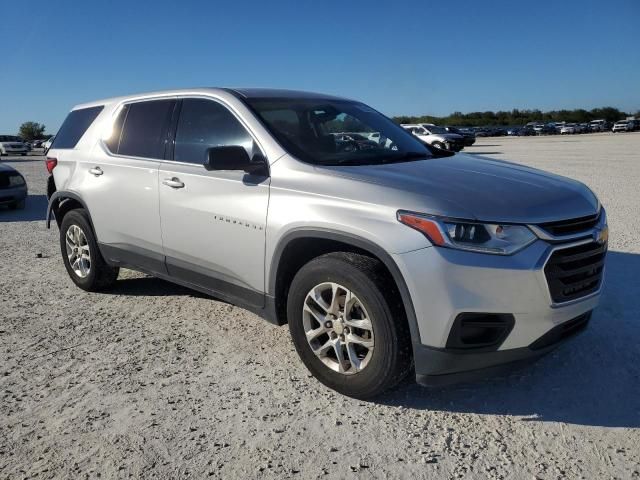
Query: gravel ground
point(151, 380)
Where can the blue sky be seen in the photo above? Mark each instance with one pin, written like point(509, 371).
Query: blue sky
point(402, 57)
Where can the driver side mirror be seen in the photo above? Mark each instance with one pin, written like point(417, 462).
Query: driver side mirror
point(235, 157)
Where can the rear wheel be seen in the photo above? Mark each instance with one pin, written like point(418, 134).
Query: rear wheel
point(347, 324)
point(81, 255)
point(440, 145)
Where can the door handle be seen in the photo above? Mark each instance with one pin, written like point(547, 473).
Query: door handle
point(97, 171)
point(173, 182)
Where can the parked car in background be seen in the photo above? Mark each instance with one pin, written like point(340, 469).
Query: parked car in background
point(12, 145)
point(384, 262)
point(436, 136)
point(37, 143)
point(47, 143)
point(568, 128)
point(468, 137)
point(13, 187)
point(520, 131)
point(544, 129)
point(623, 126)
point(598, 125)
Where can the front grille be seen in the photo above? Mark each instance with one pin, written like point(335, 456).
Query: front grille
point(569, 227)
point(575, 272)
point(4, 180)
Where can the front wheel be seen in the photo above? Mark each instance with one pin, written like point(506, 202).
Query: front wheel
point(81, 256)
point(347, 324)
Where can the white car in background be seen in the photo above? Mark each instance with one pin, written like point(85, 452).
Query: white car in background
point(47, 144)
point(623, 126)
point(568, 128)
point(12, 145)
point(436, 136)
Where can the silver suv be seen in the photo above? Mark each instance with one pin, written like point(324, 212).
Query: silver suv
point(384, 257)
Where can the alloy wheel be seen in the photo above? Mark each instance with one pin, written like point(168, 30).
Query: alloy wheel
point(338, 328)
point(78, 251)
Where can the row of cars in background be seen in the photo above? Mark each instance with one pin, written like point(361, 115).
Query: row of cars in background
point(13, 145)
point(559, 128)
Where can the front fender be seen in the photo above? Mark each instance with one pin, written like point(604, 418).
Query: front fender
point(356, 241)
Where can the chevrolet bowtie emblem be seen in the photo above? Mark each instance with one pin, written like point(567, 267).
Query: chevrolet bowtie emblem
point(601, 235)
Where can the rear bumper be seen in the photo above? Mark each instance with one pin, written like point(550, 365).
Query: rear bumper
point(435, 366)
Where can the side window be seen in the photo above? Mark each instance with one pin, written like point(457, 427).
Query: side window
point(116, 132)
point(144, 129)
point(74, 126)
point(204, 124)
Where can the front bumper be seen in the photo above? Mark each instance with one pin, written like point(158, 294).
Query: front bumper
point(445, 283)
point(435, 367)
point(12, 195)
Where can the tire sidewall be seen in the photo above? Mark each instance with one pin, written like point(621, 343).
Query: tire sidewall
point(385, 337)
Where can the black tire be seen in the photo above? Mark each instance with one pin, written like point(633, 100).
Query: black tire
point(366, 277)
point(101, 276)
point(439, 145)
point(17, 205)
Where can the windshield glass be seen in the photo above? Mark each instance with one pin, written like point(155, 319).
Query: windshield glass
point(336, 132)
point(434, 129)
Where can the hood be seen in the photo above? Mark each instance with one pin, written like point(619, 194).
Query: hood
point(6, 168)
point(481, 189)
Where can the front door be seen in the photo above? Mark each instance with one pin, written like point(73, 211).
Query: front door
point(213, 222)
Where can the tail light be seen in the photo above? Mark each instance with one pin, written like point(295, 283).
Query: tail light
point(51, 164)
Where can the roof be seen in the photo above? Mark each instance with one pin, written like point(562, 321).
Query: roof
point(237, 92)
point(280, 93)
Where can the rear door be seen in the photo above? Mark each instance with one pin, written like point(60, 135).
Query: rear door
point(213, 222)
point(121, 185)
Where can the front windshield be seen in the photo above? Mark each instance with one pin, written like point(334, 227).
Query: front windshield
point(336, 132)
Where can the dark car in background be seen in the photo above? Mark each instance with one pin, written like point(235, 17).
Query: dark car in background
point(13, 188)
point(468, 137)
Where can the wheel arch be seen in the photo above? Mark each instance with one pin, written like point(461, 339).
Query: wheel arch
point(62, 202)
point(301, 245)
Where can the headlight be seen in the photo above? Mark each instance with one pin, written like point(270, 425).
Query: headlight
point(16, 181)
point(497, 239)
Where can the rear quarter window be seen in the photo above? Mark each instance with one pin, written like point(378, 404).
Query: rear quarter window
point(74, 126)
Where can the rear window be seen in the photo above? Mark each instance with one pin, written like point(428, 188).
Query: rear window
point(74, 126)
point(145, 129)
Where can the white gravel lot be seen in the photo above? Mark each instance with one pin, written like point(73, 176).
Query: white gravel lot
point(154, 381)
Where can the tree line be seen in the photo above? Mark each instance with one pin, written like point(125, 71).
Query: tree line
point(519, 117)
